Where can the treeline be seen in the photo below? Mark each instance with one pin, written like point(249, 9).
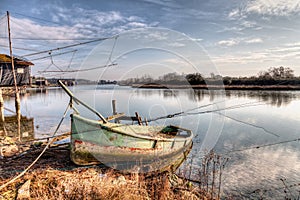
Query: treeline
point(273, 76)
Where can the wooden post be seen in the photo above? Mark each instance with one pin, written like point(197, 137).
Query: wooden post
point(114, 107)
point(1, 106)
point(2, 118)
point(17, 96)
point(138, 118)
point(146, 121)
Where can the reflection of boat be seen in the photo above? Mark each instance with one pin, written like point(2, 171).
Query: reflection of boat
point(126, 147)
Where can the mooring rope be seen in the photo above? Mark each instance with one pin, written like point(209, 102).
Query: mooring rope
point(188, 111)
point(40, 155)
point(247, 123)
point(261, 146)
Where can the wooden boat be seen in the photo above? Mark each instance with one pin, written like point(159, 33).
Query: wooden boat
point(132, 148)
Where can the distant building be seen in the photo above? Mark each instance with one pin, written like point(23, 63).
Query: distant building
point(66, 81)
point(22, 70)
point(39, 81)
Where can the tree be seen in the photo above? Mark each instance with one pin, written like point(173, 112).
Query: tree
point(277, 73)
point(281, 72)
point(195, 79)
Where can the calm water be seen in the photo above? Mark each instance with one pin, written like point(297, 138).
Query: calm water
point(244, 119)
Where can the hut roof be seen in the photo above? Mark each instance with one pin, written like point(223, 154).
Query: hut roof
point(7, 59)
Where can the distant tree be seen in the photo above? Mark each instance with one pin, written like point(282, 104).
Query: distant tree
point(172, 78)
point(195, 79)
point(277, 73)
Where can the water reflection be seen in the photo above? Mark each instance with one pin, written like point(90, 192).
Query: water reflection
point(165, 93)
point(197, 95)
point(10, 127)
point(274, 98)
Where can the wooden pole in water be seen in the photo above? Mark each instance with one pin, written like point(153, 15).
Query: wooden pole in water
point(17, 95)
point(2, 112)
point(139, 119)
point(114, 107)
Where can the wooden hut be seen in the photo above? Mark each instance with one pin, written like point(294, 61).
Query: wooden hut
point(22, 70)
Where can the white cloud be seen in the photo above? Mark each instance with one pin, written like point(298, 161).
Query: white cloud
point(156, 35)
point(241, 58)
point(197, 39)
point(274, 7)
point(137, 25)
point(236, 14)
point(168, 4)
point(292, 44)
point(229, 43)
point(25, 28)
point(98, 23)
point(176, 44)
point(254, 40)
point(77, 23)
point(236, 41)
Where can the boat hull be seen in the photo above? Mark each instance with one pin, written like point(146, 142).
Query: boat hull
point(129, 148)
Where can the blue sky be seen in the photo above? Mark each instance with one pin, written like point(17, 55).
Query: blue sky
point(240, 37)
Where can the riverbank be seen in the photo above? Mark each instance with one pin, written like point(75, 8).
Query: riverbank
point(218, 87)
point(54, 176)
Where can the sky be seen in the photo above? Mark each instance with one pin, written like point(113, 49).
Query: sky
point(236, 37)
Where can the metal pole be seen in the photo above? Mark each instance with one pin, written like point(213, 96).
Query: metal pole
point(17, 95)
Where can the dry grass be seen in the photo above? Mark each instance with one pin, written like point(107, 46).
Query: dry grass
point(95, 183)
point(54, 176)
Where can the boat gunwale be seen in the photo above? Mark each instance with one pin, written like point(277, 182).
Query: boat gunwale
point(188, 137)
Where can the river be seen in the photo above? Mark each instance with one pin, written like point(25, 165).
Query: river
point(242, 120)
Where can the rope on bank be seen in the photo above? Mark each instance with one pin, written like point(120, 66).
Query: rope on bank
point(46, 147)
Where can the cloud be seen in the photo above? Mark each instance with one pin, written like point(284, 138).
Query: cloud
point(275, 7)
point(98, 23)
point(76, 23)
point(156, 35)
point(229, 42)
point(241, 58)
point(266, 7)
point(164, 3)
point(278, 54)
point(136, 25)
point(254, 40)
point(25, 28)
point(176, 44)
point(236, 41)
point(237, 13)
point(69, 25)
point(197, 39)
